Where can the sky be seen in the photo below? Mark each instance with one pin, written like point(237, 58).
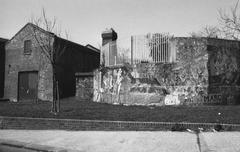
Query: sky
point(85, 20)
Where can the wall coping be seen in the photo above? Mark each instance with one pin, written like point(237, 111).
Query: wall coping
point(132, 122)
point(84, 74)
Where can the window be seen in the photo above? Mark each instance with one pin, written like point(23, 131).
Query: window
point(27, 47)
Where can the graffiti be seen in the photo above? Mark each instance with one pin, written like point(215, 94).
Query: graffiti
point(191, 80)
point(84, 88)
point(98, 94)
point(171, 100)
point(186, 94)
point(108, 82)
point(112, 82)
point(117, 85)
point(223, 62)
point(214, 98)
point(118, 81)
point(224, 66)
point(160, 81)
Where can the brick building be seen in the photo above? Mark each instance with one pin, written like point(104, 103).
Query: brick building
point(28, 71)
point(2, 65)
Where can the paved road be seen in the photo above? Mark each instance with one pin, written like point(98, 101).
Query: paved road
point(133, 141)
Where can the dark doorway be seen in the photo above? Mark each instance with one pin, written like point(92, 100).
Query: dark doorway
point(84, 86)
point(2, 66)
point(27, 86)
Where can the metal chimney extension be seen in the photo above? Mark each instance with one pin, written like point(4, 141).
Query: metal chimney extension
point(109, 48)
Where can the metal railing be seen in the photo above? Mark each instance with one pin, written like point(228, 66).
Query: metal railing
point(152, 48)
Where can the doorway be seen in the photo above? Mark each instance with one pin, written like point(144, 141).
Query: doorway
point(27, 86)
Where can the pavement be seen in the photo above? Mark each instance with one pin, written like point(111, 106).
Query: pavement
point(222, 141)
point(121, 141)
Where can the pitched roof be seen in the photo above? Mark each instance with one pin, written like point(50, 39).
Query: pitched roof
point(3, 39)
point(52, 34)
point(92, 48)
point(34, 26)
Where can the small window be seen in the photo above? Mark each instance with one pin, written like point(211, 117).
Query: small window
point(27, 47)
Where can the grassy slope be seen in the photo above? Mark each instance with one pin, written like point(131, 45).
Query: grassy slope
point(73, 109)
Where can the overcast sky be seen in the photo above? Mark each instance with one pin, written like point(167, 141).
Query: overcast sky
point(86, 19)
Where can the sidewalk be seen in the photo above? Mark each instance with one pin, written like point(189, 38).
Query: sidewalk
point(17, 146)
point(131, 141)
point(118, 141)
point(222, 141)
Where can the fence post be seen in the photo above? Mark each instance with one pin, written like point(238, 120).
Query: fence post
point(131, 50)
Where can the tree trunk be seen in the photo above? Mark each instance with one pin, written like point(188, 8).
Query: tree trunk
point(54, 104)
point(58, 101)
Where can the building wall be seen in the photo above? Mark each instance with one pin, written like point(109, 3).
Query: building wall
point(17, 61)
point(70, 58)
point(109, 54)
point(182, 82)
point(224, 70)
point(2, 66)
point(191, 71)
point(75, 59)
point(84, 87)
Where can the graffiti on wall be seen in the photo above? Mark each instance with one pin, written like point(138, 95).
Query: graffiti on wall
point(112, 81)
point(224, 71)
point(84, 88)
point(183, 82)
point(213, 98)
point(224, 68)
point(189, 76)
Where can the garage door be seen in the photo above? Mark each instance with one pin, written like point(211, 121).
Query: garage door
point(27, 86)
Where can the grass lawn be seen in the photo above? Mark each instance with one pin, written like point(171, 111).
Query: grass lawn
point(74, 109)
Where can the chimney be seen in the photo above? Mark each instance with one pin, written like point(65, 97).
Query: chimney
point(108, 35)
point(109, 48)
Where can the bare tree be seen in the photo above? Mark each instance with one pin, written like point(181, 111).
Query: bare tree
point(230, 22)
point(49, 50)
point(208, 31)
point(229, 27)
point(123, 56)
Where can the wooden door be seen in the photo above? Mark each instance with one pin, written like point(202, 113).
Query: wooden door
point(27, 86)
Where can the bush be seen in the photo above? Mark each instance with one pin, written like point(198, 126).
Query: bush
point(178, 127)
point(218, 127)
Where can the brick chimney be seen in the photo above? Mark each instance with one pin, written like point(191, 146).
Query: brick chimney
point(108, 35)
point(109, 48)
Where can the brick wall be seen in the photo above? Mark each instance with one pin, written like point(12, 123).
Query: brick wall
point(75, 59)
point(84, 87)
point(206, 71)
point(224, 71)
point(116, 85)
point(17, 61)
point(73, 124)
point(2, 66)
point(190, 70)
point(182, 82)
